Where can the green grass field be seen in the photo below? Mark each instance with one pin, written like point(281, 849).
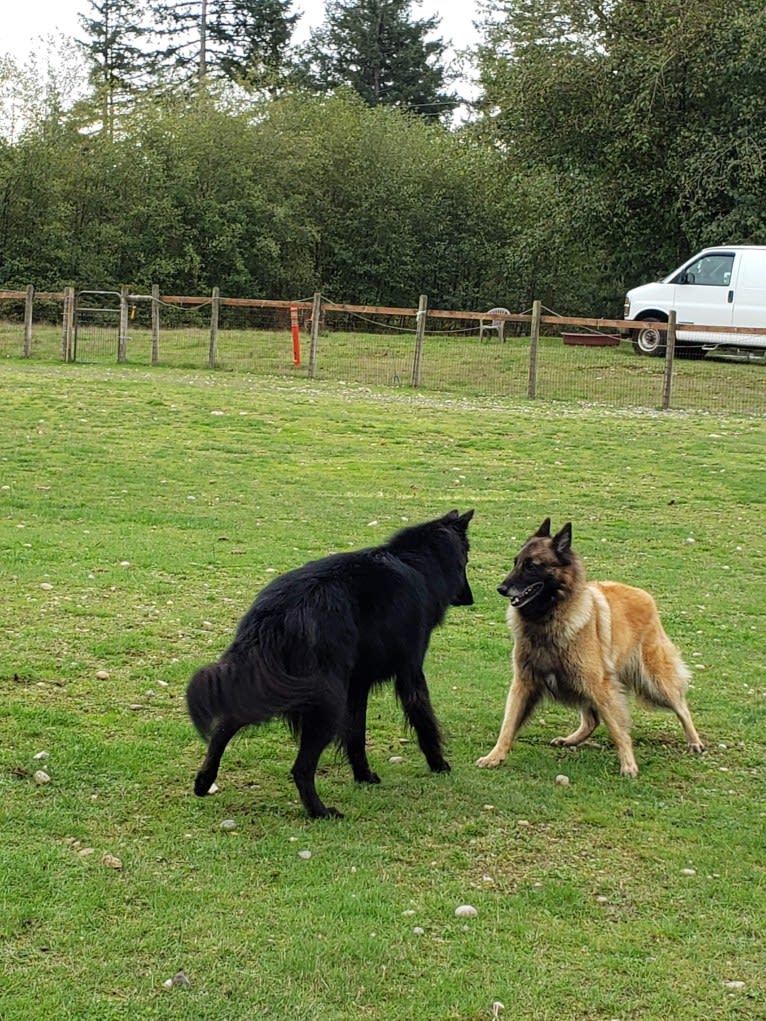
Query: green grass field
point(140, 512)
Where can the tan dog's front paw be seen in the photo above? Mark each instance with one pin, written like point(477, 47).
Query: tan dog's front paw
point(630, 769)
point(491, 761)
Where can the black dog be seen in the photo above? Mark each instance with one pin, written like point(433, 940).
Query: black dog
point(318, 638)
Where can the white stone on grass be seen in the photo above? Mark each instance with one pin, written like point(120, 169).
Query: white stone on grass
point(41, 777)
point(466, 911)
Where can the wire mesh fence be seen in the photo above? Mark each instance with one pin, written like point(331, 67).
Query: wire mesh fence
point(432, 350)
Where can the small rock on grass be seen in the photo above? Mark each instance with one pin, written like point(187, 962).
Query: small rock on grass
point(111, 862)
point(562, 780)
point(41, 777)
point(466, 911)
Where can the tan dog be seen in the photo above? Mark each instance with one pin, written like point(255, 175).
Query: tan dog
point(585, 644)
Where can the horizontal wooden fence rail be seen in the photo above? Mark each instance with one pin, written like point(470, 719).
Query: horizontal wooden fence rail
point(382, 310)
point(251, 336)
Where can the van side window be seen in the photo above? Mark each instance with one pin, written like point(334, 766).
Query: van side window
point(712, 270)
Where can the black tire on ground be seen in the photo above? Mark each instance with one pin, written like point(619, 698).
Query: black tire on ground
point(648, 341)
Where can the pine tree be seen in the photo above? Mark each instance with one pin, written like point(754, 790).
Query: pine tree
point(117, 54)
point(244, 41)
point(383, 54)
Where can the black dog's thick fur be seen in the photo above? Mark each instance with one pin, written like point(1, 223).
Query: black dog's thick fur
point(318, 638)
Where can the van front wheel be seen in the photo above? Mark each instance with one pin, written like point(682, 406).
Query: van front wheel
point(649, 340)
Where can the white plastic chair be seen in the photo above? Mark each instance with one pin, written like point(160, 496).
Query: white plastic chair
point(494, 325)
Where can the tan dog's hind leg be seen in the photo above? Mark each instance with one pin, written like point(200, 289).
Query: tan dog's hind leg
point(522, 699)
point(663, 683)
point(681, 709)
point(588, 723)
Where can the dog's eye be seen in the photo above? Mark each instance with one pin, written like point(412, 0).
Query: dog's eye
point(528, 563)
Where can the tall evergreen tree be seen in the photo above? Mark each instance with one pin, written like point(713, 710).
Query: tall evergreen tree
point(116, 52)
point(244, 41)
point(383, 54)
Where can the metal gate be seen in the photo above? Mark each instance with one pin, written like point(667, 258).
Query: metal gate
point(97, 318)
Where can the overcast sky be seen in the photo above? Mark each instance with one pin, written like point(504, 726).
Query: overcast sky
point(25, 21)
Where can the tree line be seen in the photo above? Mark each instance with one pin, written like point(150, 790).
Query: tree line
point(607, 141)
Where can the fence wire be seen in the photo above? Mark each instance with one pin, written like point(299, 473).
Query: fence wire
point(379, 348)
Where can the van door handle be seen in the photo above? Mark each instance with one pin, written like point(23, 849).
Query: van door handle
point(730, 299)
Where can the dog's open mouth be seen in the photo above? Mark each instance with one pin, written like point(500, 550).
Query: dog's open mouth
point(526, 595)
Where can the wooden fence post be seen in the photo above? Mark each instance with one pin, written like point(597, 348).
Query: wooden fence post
point(670, 355)
point(420, 333)
point(67, 343)
point(28, 308)
point(316, 319)
point(534, 338)
point(122, 339)
point(215, 308)
point(155, 324)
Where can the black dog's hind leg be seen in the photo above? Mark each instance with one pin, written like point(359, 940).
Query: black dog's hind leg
point(317, 731)
point(412, 691)
point(355, 736)
point(220, 737)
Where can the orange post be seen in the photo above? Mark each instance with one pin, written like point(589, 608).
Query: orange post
point(296, 332)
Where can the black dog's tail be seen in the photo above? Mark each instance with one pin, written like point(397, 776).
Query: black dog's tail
point(248, 691)
point(208, 696)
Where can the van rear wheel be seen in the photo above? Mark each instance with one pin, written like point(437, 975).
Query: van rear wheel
point(648, 340)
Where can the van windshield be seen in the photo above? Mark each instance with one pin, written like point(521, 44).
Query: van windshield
point(713, 270)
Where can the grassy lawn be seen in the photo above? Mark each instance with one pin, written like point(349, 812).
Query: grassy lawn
point(140, 512)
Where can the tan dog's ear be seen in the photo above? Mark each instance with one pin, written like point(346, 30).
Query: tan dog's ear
point(545, 529)
point(562, 541)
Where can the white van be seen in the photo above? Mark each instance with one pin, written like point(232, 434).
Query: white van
point(723, 286)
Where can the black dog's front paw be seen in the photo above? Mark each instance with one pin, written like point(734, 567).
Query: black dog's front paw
point(326, 812)
point(202, 784)
point(441, 767)
point(368, 777)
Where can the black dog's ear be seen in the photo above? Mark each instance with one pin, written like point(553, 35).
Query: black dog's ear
point(562, 541)
point(463, 520)
point(545, 529)
point(451, 516)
